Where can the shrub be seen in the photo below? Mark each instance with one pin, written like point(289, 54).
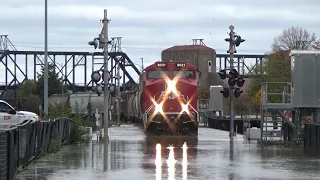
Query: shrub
point(81, 122)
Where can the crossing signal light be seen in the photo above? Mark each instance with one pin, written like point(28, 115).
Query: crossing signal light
point(225, 92)
point(95, 76)
point(94, 43)
point(234, 73)
point(232, 81)
point(238, 41)
point(112, 90)
point(223, 74)
point(98, 89)
point(237, 92)
point(240, 82)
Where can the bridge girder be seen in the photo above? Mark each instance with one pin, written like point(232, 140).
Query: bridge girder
point(18, 66)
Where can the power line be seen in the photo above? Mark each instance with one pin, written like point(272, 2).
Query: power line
point(61, 46)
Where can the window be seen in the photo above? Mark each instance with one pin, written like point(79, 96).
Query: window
point(153, 74)
point(189, 74)
point(5, 107)
point(180, 56)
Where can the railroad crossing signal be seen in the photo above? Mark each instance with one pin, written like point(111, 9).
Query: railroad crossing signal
point(233, 80)
point(234, 40)
point(238, 40)
point(96, 78)
point(225, 92)
point(94, 43)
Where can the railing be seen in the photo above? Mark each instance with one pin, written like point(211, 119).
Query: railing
point(21, 143)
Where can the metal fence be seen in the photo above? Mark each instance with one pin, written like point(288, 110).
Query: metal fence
point(224, 124)
point(312, 136)
point(21, 143)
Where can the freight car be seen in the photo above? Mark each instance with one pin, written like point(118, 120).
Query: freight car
point(166, 101)
point(88, 102)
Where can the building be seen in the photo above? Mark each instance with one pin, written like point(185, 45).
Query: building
point(200, 55)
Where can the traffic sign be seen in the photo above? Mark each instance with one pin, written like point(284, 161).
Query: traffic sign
point(258, 96)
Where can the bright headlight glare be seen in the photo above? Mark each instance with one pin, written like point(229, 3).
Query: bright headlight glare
point(185, 107)
point(171, 86)
point(158, 107)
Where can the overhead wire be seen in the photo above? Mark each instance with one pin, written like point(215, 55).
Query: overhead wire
point(35, 45)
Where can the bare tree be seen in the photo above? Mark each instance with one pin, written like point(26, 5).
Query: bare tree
point(294, 38)
point(316, 45)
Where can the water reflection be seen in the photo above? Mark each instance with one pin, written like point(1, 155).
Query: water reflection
point(117, 157)
point(186, 158)
point(158, 162)
point(105, 156)
point(170, 156)
point(171, 164)
point(184, 162)
point(166, 141)
point(231, 159)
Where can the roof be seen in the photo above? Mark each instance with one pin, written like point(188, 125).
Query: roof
point(189, 48)
point(295, 52)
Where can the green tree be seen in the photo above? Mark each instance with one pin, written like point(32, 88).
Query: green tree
point(276, 66)
point(27, 88)
point(54, 81)
point(32, 103)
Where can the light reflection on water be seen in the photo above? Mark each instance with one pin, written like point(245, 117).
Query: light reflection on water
point(210, 156)
point(158, 162)
point(171, 162)
point(184, 162)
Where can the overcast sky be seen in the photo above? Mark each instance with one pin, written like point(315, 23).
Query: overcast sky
point(148, 27)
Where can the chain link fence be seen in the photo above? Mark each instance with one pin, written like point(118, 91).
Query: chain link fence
point(21, 143)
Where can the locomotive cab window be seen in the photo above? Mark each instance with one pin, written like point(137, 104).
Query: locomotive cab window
point(153, 74)
point(186, 74)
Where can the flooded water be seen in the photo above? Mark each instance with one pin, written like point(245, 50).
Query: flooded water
point(131, 156)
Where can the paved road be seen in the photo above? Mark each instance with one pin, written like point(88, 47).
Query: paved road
point(132, 156)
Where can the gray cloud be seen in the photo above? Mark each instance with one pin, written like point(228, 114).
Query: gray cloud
point(148, 27)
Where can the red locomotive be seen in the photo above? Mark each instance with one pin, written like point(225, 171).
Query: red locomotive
point(166, 101)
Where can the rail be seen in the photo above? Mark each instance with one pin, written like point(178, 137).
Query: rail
point(21, 143)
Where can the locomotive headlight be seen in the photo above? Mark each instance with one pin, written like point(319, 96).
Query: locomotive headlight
point(171, 86)
point(158, 108)
point(185, 108)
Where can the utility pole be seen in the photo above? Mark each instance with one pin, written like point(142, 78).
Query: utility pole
point(103, 43)
point(232, 50)
point(141, 63)
point(106, 75)
point(45, 82)
point(118, 94)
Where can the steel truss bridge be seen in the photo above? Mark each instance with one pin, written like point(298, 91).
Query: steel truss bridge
point(19, 66)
